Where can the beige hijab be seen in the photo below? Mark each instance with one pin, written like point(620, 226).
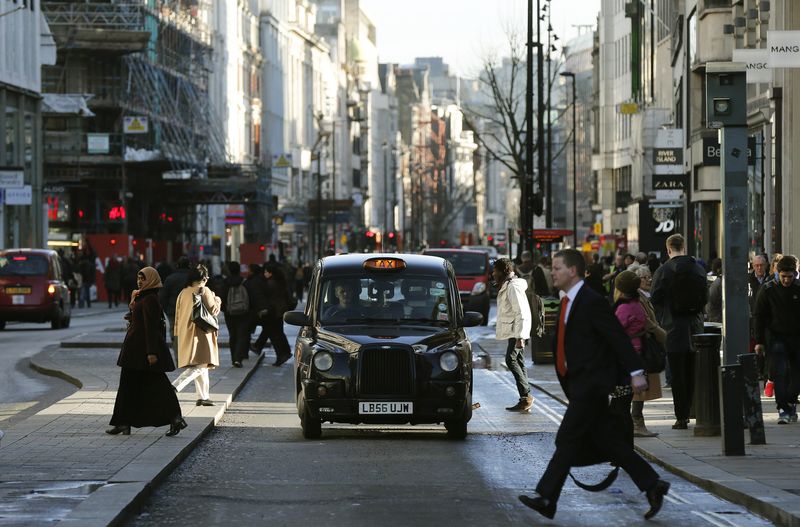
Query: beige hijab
point(151, 281)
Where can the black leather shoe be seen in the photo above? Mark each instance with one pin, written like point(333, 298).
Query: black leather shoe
point(681, 424)
point(204, 402)
point(655, 497)
point(237, 364)
point(119, 429)
point(176, 427)
point(281, 359)
point(540, 504)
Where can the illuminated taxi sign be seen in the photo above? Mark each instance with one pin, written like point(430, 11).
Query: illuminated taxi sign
point(384, 264)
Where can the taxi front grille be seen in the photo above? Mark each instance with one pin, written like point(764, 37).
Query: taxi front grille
point(386, 372)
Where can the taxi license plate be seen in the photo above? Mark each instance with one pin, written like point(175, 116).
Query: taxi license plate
point(18, 290)
point(385, 408)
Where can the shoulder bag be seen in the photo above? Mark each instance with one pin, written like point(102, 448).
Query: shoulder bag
point(201, 317)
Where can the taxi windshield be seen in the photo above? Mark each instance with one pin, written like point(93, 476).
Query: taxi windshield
point(385, 299)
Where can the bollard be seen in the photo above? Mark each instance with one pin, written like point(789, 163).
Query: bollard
point(751, 395)
point(706, 384)
point(730, 394)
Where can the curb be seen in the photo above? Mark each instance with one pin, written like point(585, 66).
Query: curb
point(126, 491)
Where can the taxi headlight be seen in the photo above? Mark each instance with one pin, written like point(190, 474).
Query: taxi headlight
point(479, 288)
point(323, 360)
point(448, 361)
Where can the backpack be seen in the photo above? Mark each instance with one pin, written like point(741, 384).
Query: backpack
point(237, 301)
point(688, 292)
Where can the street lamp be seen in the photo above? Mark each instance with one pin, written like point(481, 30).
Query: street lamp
point(574, 161)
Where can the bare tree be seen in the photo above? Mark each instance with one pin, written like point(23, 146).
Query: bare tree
point(498, 120)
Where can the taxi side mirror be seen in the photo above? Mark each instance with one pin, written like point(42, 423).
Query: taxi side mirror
point(296, 318)
point(471, 319)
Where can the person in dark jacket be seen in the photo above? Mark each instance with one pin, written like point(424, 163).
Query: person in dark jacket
point(168, 295)
point(86, 268)
point(238, 321)
point(113, 281)
point(714, 306)
point(278, 298)
point(256, 285)
point(594, 275)
point(145, 396)
point(679, 327)
point(777, 332)
point(593, 354)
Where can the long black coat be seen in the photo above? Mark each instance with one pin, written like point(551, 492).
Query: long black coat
point(146, 336)
point(680, 328)
point(599, 353)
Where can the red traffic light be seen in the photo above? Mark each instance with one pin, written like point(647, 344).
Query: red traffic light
point(262, 248)
point(112, 241)
point(442, 242)
point(391, 235)
point(370, 234)
point(490, 238)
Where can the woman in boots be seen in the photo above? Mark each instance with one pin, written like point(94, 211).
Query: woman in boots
point(145, 396)
point(631, 309)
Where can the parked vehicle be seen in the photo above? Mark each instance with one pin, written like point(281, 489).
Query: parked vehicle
point(383, 341)
point(488, 249)
point(474, 275)
point(32, 288)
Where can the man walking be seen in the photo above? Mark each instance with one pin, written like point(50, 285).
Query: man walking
point(679, 294)
point(168, 295)
point(591, 347)
point(514, 325)
point(777, 324)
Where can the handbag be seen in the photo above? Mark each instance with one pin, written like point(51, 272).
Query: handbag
point(653, 353)
point(201, 317)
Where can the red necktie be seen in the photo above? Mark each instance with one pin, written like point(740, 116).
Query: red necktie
point(561, 356)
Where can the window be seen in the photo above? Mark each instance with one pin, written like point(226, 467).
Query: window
point(12, 129)
point(622, 187)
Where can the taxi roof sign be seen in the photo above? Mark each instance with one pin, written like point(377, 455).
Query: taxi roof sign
point(385, 264)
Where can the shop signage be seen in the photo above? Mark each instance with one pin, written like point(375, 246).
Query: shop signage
point(784, 49)
point(19, 196)
point(756, 63)
point(12, 178)
point(712, 151)
point(668, 169)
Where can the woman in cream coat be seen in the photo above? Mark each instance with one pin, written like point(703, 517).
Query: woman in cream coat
point(198, 350)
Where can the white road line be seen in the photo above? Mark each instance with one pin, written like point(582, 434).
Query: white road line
point(721, 522)
point(546, 411)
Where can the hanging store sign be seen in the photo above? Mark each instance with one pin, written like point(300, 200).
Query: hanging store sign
point(756, 63)
point(135, 125)
point(784, 49)
point(668, 170)
point(712, 151)
point(12, 178)
point(19, 196)
point(97, 144)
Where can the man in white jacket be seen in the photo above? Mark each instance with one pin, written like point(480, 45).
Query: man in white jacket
point(514, 325)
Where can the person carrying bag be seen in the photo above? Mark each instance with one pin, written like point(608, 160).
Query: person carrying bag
point(198, 349)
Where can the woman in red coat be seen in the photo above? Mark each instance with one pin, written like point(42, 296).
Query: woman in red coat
point(145, 396)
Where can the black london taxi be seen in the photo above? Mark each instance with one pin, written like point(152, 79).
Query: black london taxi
point(383, 342)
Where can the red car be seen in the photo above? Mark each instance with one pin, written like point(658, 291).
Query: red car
point(474, 276)
point(32, 288)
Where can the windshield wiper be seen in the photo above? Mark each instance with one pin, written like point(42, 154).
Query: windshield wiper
point(427, 320)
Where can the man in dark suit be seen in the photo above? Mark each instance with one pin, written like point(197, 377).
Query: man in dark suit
point(593, 355)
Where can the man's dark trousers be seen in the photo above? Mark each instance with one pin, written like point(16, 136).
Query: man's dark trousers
point(682, 365)
point(585, 422)
point(515, 360)
point(784, 361)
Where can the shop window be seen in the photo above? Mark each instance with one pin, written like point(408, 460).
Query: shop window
point(11, 131)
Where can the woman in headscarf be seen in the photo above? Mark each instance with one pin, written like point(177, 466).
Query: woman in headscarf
point(145, 396)
point(198, 350)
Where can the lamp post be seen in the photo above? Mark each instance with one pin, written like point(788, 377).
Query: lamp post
point(384, 236)
point(574, 161)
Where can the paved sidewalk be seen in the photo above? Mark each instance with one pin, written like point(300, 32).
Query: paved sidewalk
point(766, 480)
point(62, 453)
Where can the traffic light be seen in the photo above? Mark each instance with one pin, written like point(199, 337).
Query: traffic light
point(490, 239)
point(390, 241)
point(371, 242)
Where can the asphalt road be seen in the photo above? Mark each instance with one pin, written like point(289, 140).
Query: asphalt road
point(23, 392)
point(256, 469)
